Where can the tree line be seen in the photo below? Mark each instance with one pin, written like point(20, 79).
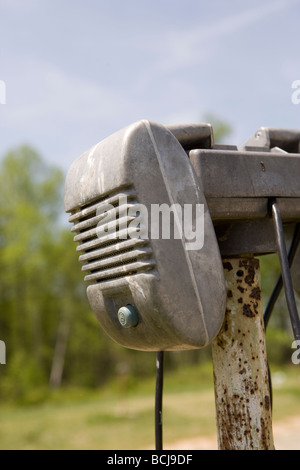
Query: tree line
point(51, 334)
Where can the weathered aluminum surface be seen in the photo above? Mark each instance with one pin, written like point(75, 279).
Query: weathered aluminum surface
point(149, 163)
point(192, 136)
point(179, 294)
point(238, 185)
point(268, 138)
point(235, 174)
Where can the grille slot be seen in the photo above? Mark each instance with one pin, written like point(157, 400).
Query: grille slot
point(102, 231)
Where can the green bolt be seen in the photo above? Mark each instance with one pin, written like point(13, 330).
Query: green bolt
point(128, 316)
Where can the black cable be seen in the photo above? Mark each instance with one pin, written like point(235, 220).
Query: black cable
point(277, 289)
point(159, 400)
point(285, 270)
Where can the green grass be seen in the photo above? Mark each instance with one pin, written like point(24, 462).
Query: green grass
point(286, 391)
point(122, 416)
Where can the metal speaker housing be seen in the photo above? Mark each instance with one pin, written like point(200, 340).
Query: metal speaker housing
point(147, 293)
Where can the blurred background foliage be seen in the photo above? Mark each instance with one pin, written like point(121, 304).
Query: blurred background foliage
point(52, 337)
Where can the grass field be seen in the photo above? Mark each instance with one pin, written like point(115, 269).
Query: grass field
point(122, 416)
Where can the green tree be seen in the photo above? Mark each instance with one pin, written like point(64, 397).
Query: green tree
point(30, 195)
point(45, 319)
point(221, 128)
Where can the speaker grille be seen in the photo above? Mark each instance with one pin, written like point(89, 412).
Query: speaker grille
point(108, 238)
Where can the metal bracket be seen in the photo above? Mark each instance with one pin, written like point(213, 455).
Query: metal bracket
point(192, 136)
point(274, 139)
point(238, 183)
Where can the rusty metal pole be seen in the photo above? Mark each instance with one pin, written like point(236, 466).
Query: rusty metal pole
point(242, 394)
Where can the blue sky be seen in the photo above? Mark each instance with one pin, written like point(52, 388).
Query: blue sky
point(78, 70)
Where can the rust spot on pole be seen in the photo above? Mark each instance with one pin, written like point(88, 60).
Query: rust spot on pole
point(240, 366)
point(256, 293)
point(227, 265)
point(250, 265)
point(247, 311)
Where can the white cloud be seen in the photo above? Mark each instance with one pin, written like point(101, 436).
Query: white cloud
point(189, 47)
point(18, 5)
point(45, 91)
point(68, 86)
